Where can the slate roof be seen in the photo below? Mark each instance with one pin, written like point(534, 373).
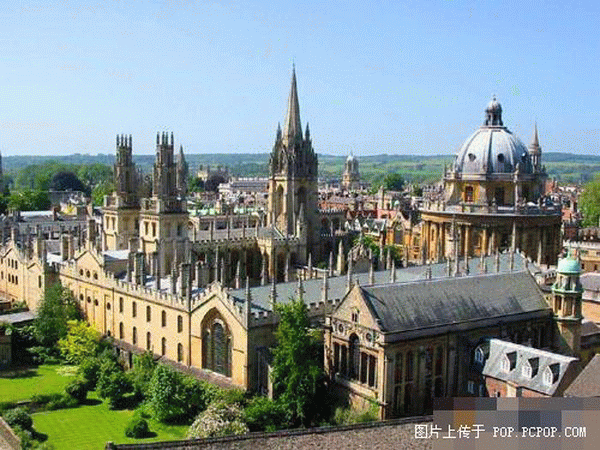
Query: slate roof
point(587, 383)
point(450, 301)
point(17, 318)
point(313, 288)
point(539, 360)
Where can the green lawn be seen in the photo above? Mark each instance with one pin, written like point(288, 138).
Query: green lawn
point(91, 426)
point(22, 384)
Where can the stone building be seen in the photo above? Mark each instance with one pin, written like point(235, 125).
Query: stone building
point(351, 175)
point(493, 199)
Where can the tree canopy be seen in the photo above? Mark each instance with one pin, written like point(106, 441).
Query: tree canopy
point(297, 364)
point(589, 202)
point(56, 309)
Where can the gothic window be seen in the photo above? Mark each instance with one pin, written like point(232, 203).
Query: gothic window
point(120, 304)
point(179, 324)
point(148, 313)
point(148, 340)
point(216, 344)
point(134, 336)
point(163, 319)
point(163, 346)
point(133, 309)
point(121, 333)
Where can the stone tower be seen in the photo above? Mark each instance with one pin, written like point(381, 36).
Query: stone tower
point(164, 216)
point(293, 194)
point(566, 304)
point(121, 209)
point(351, 176)
point(182, 174)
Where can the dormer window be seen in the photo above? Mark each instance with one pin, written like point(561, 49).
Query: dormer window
point(509, 362)
point(551, 374)
point(530, 368)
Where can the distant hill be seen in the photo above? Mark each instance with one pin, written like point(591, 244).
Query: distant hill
point(417, 168)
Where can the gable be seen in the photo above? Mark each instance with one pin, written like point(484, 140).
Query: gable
point(354, 303)
point(87, 260)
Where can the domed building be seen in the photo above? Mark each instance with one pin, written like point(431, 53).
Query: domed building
point(351, 176)
point(493, 199)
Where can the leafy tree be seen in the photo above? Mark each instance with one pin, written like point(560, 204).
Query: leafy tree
point(393, 182)
point(29, 200)
point(67, 181)
point(141, 374)
point(195, 184)
point(165, 393)
point(219, 419)
point(297, 372)
point(100, 190)
point(89, 370)
point(114, 385)
point(81, 342)
point(56, 309)
point(589, 202)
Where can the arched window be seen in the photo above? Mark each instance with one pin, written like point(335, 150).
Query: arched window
point(163, 346)
point(179, 324)
point(133, 309)
point(134, 336)
point(354, 356)
point(216, 344)
point(121, 332)
point(163, 319)
point(148, 341)
point(148, 313)
point(179, 353)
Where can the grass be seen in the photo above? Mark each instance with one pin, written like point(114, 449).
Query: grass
point(21, 384)
point(91, 426)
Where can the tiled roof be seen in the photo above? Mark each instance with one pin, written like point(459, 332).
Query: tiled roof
point(587, 384)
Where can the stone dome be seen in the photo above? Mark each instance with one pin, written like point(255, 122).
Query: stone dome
point(493, 148)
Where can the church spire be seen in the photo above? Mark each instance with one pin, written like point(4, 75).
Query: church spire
point(292, 127)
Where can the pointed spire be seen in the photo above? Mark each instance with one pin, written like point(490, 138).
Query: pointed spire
point(273, 295)
point(325, 293)
point(535, 142)
point(307, 133)
point(278, 135)
point(300, 289)
point(349, 275)
point(248, 299)
point(292, 127)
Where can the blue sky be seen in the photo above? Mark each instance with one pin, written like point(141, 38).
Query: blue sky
point(396, 77)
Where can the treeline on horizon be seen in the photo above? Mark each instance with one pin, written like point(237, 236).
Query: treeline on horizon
point(564, 167)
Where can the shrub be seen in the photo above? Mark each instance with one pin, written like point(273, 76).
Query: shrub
point(77, 389)
point(114, 386)
point(61, 401)
point(349, 416)
point(81, 342)
point(89, 370)
point(264, 414)
point(141, 374)
point(219, 419)
point(18, 417)
point(137, 428)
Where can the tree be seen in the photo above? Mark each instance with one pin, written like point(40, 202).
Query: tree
point(81, 342)
point(589, 202)
point(56, 309)
point(393, 182)
point(100, 190)
point(297, 372)
point(67, 181)
point(29, 200)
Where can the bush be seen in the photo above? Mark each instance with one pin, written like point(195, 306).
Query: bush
point(349, 416)
point(45, 355)
point(114, 386)
point(77, 389)
point(61, 401)
point(264, 414)
point(137, 428)
point(219, 419)
point(18, 417)
point(89, 370)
